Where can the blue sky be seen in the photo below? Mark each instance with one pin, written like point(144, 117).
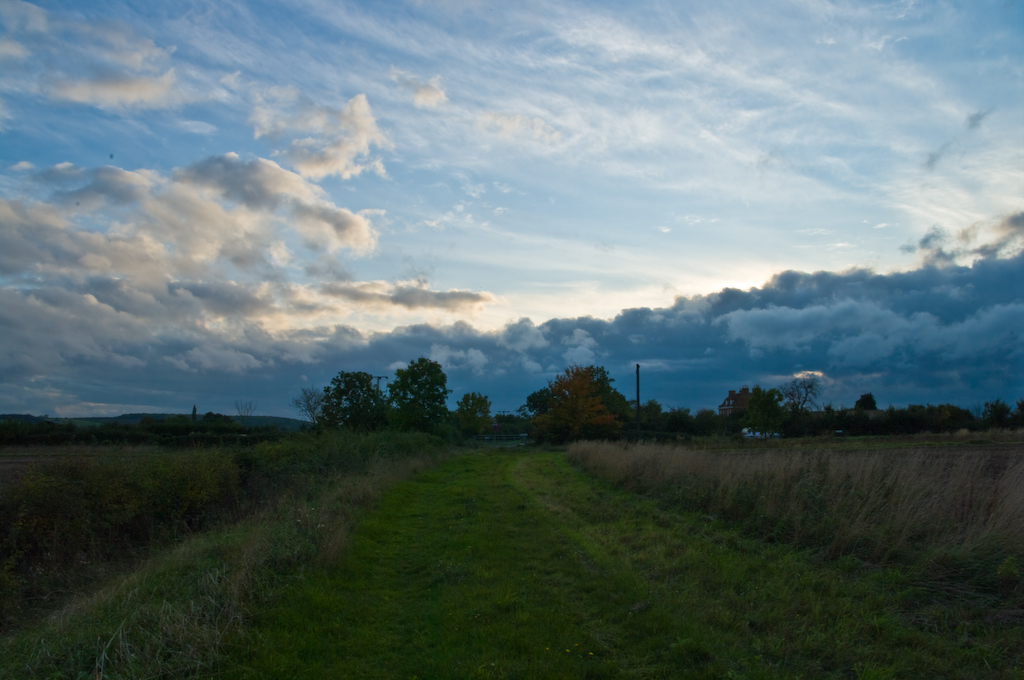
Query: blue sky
point(203, 202)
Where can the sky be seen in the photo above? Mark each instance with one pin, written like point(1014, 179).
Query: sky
point(205, 202)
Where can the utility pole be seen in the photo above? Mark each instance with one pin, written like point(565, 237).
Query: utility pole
point(379, 378)
point(638, 402)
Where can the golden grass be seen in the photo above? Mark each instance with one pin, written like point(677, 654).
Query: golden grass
point(874, 503)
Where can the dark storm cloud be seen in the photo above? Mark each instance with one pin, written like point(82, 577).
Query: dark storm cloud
point(935, 334)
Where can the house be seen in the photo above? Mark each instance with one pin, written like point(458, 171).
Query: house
point(736, 401)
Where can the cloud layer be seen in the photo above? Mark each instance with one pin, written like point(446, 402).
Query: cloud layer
point(936, 334)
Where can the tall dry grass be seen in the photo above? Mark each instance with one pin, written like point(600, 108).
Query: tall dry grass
point(961, 509)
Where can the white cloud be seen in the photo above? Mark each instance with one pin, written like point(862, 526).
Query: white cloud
point(513, 126)
point(582, 348)
point(338, 141)
point(451, 359)
point(9, 49)
point(197, 127)
point(426, 95)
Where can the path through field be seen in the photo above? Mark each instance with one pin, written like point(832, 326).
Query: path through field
point(513, 565)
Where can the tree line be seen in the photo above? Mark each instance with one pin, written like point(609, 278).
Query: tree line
point(581, 403)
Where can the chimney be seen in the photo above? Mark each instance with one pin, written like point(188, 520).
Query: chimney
point(732, 393)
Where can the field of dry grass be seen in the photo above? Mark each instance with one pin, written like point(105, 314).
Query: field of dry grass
point(958, 507)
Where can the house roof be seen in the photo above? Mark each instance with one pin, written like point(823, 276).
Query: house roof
point(736, 400)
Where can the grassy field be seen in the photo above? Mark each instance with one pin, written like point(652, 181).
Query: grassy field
point(136, 564)
point(518, 565)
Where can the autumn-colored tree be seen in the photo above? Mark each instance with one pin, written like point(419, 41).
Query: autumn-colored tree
point(576, 410)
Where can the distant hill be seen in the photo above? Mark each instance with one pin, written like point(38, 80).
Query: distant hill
point(284, 424)
point(21, 417)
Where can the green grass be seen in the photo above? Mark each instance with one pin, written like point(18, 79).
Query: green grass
point(175, 613)
point(513, 565)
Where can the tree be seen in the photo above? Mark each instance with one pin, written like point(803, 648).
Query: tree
point(245, 409)
point(419, 394)
point(651, 415)
point(679, 420)
point(799, 393)
point(765, 412)
point(866, 402)
point(707, 422)
point(353, 401)
point(1017, 419)
point(473, 412)
point(996, 413)
point(539, 402)
point(576, 410)
point(310, 403)
point(622, 409)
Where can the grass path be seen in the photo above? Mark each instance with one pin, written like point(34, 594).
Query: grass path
point(511, 565)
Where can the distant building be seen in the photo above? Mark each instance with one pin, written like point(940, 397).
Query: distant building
point(736, 401)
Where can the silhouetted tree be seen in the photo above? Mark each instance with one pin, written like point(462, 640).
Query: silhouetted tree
point(866, 402)
point(996, 413)
point(473, 413)
point(419, 394)
point(245, 409)
point(706, 422)
point(679, 420)
point(799, 393)
point(352, 400)
point(539, 402)
point(765, 412)
point(1017, 419)
point(310, 403)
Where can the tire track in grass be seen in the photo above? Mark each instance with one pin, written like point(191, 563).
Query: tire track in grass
point(512, 565)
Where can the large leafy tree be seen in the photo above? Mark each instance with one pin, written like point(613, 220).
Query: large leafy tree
point(353, 400)
point(576, 409)
point(473, 412)
point(539, 402)
point(996, 413)
point(765, 412)
point(419, 395)
point(866, 402)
